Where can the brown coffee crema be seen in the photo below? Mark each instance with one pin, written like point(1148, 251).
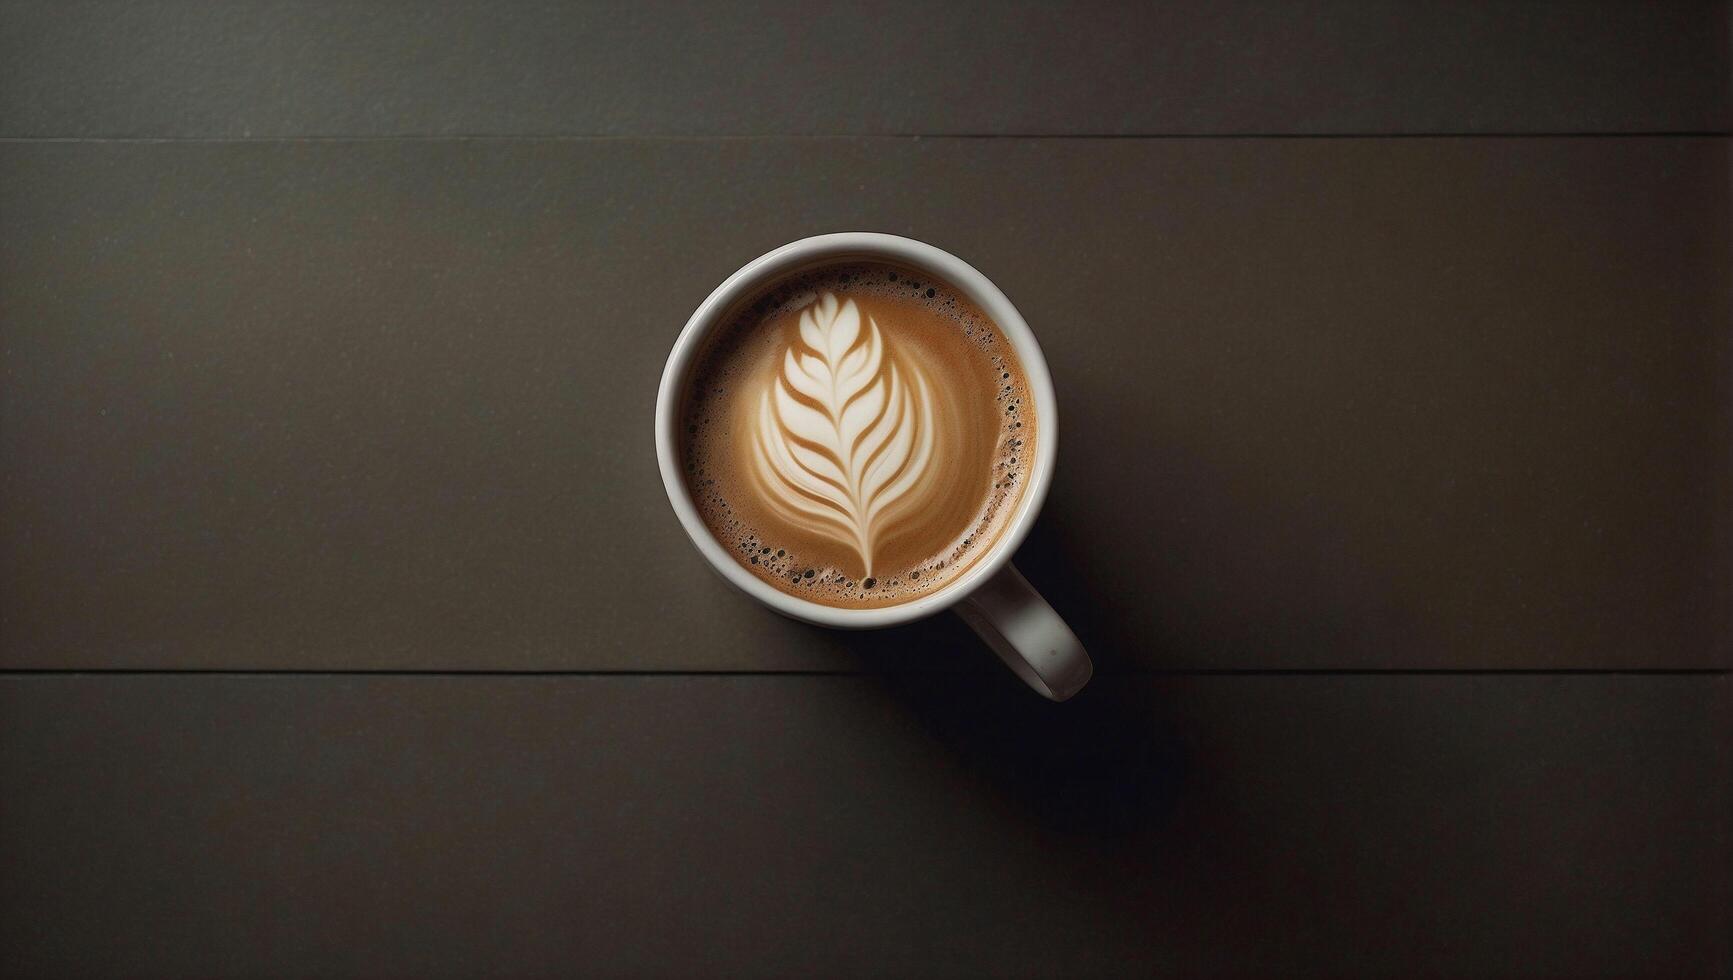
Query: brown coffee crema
point(857, 435)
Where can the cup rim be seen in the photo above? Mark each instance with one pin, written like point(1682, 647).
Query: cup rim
point(841, 246)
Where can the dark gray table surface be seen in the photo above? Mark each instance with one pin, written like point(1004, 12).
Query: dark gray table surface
point(1325, 403)
point(903, 824)
point(344, 629)
point(178, 68)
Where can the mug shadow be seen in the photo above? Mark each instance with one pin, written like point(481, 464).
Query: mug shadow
point(1162, 594)
point(1101, 768)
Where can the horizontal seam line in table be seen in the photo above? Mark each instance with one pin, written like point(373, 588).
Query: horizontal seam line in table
point(793, 137)
point(1202, 672)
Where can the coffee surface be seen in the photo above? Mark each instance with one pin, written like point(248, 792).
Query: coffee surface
point(857, 435)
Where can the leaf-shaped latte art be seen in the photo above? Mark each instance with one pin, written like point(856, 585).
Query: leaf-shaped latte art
point(844, 433)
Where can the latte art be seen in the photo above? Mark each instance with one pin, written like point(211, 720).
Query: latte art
point(844, 434)
point(857, 435)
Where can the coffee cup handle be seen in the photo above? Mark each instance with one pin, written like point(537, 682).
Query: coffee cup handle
point(1027, 634)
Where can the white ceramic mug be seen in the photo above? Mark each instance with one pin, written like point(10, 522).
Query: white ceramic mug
point(992, 596)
